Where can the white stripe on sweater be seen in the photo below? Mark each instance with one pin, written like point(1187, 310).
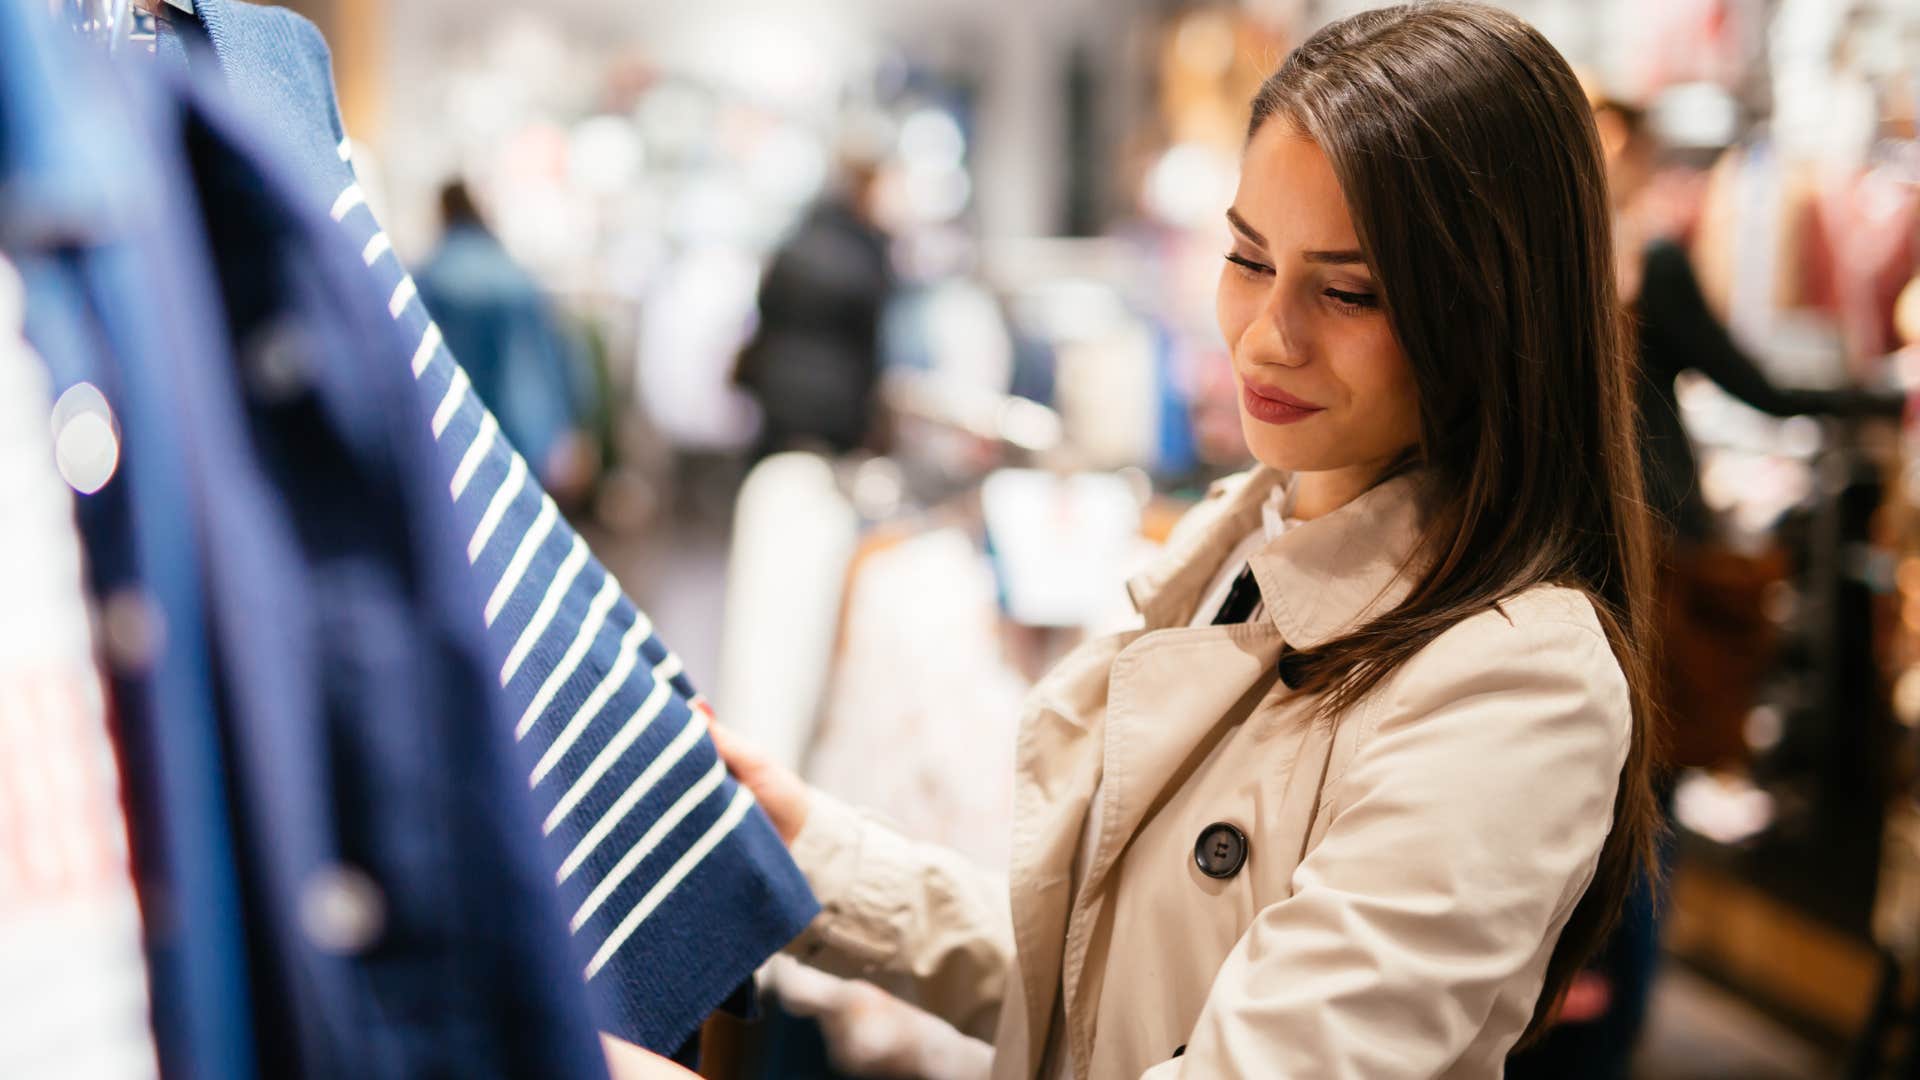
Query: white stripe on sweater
point(346, 149)
point(450, 401)
point(348, 199)
point(626, 654)
point(655, 833)
point(736, 812)
point(688, 738)
point(476, 453)
point(589, 632)
point(530, 545)
point(403, 295)
point(562, 582)
point(516, 482)
point(429, 345)
point(642, 718)
point(375, 248)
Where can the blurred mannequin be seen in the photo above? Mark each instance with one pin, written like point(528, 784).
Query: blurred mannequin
point(498, 322)
point(813, 366)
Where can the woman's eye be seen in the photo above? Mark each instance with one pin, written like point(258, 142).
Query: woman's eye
point(1352, 301)
point(1248, 266)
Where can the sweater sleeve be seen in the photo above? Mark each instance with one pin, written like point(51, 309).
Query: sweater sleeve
point(917, 920)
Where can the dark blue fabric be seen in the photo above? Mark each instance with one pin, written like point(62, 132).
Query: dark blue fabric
point(497, 322)
point(630, 792)
point(312, 540)
point(416, 784)
point(94, 269)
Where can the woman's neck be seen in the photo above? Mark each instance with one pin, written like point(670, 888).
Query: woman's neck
point(1317, 494)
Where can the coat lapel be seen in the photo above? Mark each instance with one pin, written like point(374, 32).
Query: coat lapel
point(1057, 765)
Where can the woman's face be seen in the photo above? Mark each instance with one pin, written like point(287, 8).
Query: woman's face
point(1324, 385)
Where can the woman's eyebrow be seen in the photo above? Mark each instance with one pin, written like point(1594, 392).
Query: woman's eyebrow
point(1336, 257)
point(1246, 230)
point(1343, 257)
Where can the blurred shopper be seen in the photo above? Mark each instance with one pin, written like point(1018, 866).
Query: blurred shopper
point(504, 330)
point(1374, 779)
point(1601, 1022)
point(1679, 332)
point(813, 365)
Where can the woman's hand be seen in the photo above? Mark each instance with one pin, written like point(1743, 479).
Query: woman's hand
point(783, 795)
point(626, 1061)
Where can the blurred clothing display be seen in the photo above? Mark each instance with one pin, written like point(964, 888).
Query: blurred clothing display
point(523, 365)
point(1866, 248)
point(813, 365)
point(794, 536)
point(73, 989)
point(921, 682)
point(351, 791)
point(676, 886)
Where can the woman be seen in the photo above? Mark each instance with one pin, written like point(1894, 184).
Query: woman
point(1371, 781)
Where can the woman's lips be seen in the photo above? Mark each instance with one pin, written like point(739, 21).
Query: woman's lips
point(1275, 406)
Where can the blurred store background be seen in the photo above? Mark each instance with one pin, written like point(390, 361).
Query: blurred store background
point(873, 343)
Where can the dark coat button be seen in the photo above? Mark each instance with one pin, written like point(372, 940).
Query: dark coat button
point(1291, 675)
point(1221, 850)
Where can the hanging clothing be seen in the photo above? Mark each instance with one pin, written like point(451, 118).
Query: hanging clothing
point(73, 989)
point(76, 219)
point(395, 914)
point(675, 885)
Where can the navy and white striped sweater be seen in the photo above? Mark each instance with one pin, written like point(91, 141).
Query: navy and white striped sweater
point(677, 885)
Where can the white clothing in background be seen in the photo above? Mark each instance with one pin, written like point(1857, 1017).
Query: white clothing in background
point(73, 979)
point(794, 534)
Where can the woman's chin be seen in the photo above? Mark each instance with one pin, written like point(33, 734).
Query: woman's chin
point(1283, 450)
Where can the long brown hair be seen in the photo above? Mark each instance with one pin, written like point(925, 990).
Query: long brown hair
point(1473, 173)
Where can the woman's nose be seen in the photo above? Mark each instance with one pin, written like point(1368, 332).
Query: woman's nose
point(1270, 340)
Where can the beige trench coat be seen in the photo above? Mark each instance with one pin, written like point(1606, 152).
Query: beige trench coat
point(1409, 867)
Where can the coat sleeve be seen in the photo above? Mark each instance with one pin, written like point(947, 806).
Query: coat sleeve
point(1466, 828)
point(918, 920)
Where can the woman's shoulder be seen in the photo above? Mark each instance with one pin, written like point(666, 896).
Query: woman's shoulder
point(1544, 626)
point(1508, 697)
point(1543, 650)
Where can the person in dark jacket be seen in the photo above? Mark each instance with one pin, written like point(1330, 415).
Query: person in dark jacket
point(813, 365)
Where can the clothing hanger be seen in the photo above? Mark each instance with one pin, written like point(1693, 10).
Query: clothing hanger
point(104, 24)
point(101, 23)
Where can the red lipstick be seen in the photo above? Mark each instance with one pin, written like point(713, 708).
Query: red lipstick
point(1272, 406)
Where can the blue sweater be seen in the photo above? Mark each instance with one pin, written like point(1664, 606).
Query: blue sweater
point(676, 885)
point(337, 860)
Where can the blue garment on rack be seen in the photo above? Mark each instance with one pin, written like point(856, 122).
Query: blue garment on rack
point(394, 906)
point(676, 885)
point(93, 270)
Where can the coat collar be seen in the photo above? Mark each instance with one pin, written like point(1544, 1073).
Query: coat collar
point(1320, 579)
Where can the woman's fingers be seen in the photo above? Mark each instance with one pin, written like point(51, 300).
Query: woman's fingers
point(783, 795)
